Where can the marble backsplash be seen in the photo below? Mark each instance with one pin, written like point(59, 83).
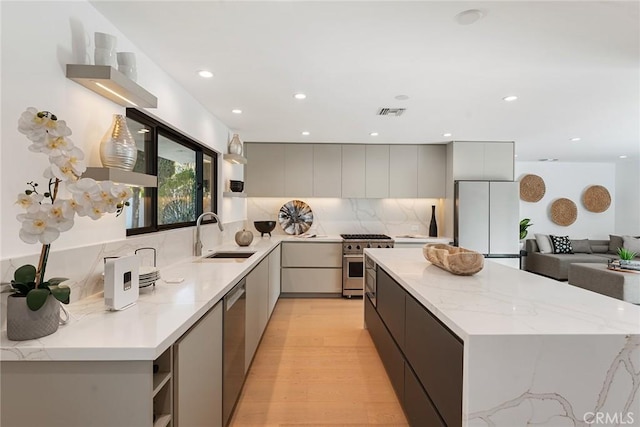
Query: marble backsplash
point(84, 265)
point(393, 217)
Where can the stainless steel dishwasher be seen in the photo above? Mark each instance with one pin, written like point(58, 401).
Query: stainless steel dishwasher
point(233, 348)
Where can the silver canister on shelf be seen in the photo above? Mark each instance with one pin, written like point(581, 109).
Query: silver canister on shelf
point(235, 145)
point(118, 148)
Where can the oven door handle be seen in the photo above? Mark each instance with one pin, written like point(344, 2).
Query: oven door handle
point(353, 256)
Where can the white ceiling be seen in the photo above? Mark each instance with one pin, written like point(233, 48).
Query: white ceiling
point(575, 66)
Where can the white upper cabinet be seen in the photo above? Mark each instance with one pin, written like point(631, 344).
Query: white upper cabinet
point(264, 173)
point(353, 171)
point(432, 170)
point(298, 170)
point(377, 171)
point(483, 161)
point(403, 171)
point(327, 170)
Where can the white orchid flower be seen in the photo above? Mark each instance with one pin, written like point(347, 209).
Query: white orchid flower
point(68, 166)
point(60, 213)
point(85, 191)
point(31, 202)
point(37, 227)
point(37, 126)
point(57, 145)
point(121, 192)
point(96, 210)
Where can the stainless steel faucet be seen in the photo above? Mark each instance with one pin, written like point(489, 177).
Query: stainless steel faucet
point(198, 248)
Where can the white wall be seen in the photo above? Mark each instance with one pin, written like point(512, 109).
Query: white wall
point(38, 40)
point(570, 180)
point(628, 197)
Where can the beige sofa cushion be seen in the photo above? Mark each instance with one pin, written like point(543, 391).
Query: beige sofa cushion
point(631, 243)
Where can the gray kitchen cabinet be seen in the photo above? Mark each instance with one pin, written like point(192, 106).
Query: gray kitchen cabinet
point(327, 170)
point(298, 170)
point(499, 161)
point(389, 352)
point(483, 160)
point(417, 405)
point(421, 355)
point(391, 300)
point(432, 168)
point(274, 279)
point(403, 171)
point(436, 356)
point(311, 268)
point(353, 171)
point(198, 373)
point(376, 171)
point(257, 308)
point(265, 170)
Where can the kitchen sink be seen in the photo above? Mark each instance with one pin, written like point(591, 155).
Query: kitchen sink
point(229, 255)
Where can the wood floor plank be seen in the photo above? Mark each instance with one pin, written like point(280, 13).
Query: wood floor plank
point(317, 366)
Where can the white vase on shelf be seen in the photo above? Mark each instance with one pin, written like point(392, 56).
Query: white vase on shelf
point(235, 145)
point(127, 64)
point(118, 148)
point(105, 50)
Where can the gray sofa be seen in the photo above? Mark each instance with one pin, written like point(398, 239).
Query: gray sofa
point(556, 266)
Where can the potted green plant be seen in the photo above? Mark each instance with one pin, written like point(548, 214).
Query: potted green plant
point(33, 310)
point(626, 255)
point(524, 224)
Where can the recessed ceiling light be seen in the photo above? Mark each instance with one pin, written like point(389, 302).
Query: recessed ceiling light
point(374, 134)
point(299, 96)
point(576, 139)
point(401, 97)
point(306, 133)
point(515, 155)
point(205, 73)
point(510, 98)
point(623, 156)
point(236, 111)
point(446, 134)
point(468, 17)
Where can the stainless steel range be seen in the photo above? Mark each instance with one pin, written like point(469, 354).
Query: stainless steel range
point(353, 247)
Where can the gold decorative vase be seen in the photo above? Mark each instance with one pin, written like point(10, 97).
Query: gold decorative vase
point(118, 148)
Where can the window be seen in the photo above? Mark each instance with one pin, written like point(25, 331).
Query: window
point(187, 177)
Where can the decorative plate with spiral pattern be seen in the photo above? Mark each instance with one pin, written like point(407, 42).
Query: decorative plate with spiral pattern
point(295, 217)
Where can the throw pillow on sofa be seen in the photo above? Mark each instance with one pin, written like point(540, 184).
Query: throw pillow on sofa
point(561, 244)
point(615, 242)
point(544, 243)
point(581, 246)
point(631, 243)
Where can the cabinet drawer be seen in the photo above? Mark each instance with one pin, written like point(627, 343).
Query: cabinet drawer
point(436, 356)
point(312, 255)
point(388, 351)
point(417, 406)
point(391, 305)
point(311, 280)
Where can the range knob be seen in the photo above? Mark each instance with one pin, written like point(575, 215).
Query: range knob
point(379, 246)
point(358, 247)
point(349, 247)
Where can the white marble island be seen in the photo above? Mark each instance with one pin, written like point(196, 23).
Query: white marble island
point(536, 351)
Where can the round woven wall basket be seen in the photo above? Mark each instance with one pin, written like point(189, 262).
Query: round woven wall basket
point(532, 188)
point(564, 212)
point(596, 199)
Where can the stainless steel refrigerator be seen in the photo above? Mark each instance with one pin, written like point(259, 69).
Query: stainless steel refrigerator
point(486, 217)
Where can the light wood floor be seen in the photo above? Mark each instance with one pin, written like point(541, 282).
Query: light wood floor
point(316, 365)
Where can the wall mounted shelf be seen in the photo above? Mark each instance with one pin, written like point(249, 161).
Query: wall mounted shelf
point(121, 176)
point(235, 158)
point(233, 194)
point(112, 84)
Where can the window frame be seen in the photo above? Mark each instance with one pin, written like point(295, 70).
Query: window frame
point(158, 128)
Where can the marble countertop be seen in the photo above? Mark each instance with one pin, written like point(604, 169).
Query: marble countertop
point(161, 315)
point(500, 300)
point(416, 238)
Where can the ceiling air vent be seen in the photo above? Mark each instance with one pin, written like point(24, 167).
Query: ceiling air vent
point(391, 111)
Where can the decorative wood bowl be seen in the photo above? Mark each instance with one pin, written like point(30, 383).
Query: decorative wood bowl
point(459, 261)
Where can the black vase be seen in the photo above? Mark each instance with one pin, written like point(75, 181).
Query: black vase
point(433, 226)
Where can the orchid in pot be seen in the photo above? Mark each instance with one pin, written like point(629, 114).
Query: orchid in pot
point(47, 214)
